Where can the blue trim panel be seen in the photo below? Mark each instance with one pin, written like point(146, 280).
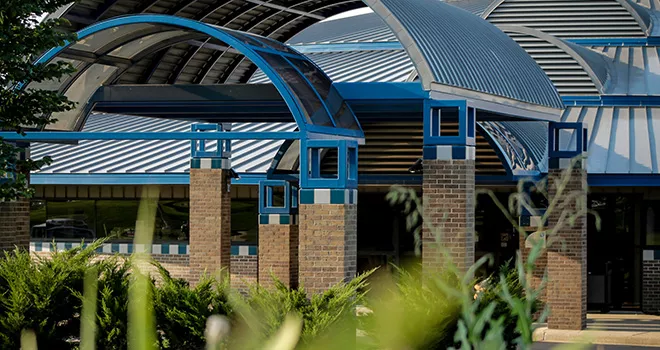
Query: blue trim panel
point(612, 100)
point(131, 179)
point(648, 41)
point(624, 180)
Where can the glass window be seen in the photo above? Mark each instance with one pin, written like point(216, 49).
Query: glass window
point(72, 219)
point(312, 106)
point(129, 50)
point(244, 222)
point(341, 114)
point(653, 224)
point(116, 218)
point(80, 91)
point(96, 41)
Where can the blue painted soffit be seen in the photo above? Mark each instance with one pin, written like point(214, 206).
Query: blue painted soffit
point(459, 54)
point(315, 104)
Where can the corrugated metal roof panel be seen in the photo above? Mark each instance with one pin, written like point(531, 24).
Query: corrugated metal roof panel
point(359, 66)
point(124, 157)
point(570, 19)
point(636, 70)
point(462, 50)
point(622, 140)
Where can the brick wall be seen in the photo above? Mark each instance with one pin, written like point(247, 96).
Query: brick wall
point(567, 259)
point(14, 224)
point(244, 271)
point(448, 189)
point(651, 286)
point(278, 254)
point(536, 277)
point(328, 245)
point(244, 268)
point(210, 221)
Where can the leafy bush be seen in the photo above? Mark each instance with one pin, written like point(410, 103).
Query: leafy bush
point(264, 311)
point(112, 304)
point(41, 295)
point(182, 311)
point(492, 293)
point(411, 312)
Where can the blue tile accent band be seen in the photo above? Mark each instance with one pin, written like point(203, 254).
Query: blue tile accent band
point(210, 163)
point(449, 152)
point(328, 196)
point(278, 219)
point(130, 248)
point(651, 255)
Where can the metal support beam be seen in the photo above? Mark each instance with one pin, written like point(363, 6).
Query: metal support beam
point(90, 57)
point(286, 9)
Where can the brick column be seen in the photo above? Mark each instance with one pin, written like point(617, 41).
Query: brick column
point(210, 218)
point(536, 276)
point(278, 249)
point(328, 237)
point(449, 203)
point(567, 256)
point(651, 282)
point(15, 224)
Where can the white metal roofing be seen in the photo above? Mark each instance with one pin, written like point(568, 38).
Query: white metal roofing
point(636, 70)
point(571, 18)
point(150, 157)
point(622, 140)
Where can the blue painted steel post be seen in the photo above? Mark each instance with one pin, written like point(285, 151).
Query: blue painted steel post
point(567, 241)
point(278, 233)
point(328, 213)
point(448, 184)
point(210, 205)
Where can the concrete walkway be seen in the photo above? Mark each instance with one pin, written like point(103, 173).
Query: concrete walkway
point(613, 329)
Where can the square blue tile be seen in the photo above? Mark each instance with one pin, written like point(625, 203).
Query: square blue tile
point(114, 247)
point(164, 248)
point(182, 249)
point(337, 197)
point(306, 196)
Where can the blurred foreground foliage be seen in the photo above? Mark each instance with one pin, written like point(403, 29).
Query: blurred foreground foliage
point(41, 300)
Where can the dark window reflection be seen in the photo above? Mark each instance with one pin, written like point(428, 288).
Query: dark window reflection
point(312, 106)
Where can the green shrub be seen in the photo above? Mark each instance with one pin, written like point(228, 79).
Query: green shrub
point(411, 312)
point(265, 309)
point(112, 304)
point(182, 311)
point(41, 295)
point(492, 294)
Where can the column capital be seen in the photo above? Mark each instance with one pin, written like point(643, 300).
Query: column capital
point(328, 196)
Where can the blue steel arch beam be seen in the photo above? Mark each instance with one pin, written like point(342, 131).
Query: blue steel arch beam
point(315, 103)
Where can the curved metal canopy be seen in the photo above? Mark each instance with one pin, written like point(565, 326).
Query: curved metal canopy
point(458, 53)
point(188, 60)
point(105, 49)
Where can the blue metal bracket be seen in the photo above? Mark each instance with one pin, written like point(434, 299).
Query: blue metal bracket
point(554, 140)
point(312, 152)
point(266, 192)
point(198, 147)
point(458, 111)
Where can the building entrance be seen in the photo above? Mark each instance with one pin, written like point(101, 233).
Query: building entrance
point(614, 253)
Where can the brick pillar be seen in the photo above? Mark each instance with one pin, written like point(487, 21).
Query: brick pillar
point(210, 220)
point(15, 224)
point(651, 282)
point(328, 237)
point(278, 249)
point(536, 276)
point(567, 256)
point(448, 190)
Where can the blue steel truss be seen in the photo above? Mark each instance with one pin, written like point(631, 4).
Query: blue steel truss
point(323, 111)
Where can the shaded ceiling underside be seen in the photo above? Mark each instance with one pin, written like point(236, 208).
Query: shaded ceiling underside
point(198, 60)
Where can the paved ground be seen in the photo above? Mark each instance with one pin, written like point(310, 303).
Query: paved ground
point(627, 329)
point(548, 346)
